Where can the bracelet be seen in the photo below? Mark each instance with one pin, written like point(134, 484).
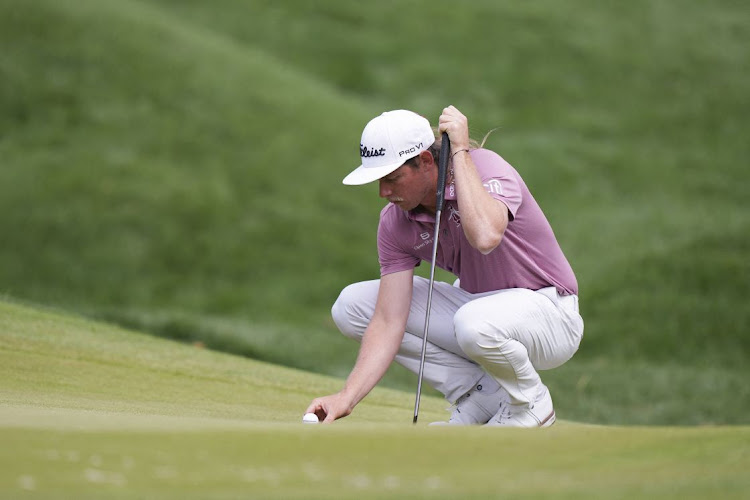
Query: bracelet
point(459, 151)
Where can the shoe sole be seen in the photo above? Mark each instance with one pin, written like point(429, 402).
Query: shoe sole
point(547, 422)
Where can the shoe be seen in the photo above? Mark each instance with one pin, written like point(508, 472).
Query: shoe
point(539, 413)
point(477, 406)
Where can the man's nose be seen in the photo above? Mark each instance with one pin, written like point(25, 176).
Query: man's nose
point(385, 191)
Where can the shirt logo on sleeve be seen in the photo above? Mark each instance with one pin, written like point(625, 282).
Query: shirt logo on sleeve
point(493, 186)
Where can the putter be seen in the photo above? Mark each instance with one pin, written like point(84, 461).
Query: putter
point(442, 171)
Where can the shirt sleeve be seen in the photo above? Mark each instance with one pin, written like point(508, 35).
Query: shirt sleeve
point(391, 254)
point(499, 179)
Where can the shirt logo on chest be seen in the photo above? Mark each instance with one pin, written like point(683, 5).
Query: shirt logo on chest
point(426, 240)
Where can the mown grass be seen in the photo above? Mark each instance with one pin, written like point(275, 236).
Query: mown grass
point(56, 361)
point(89, 410)
point(375, 462)
point(176, 167)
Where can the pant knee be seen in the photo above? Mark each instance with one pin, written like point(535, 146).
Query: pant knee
point(474, 335)
point(350, 311)
point(341, 312)
point(468, 336)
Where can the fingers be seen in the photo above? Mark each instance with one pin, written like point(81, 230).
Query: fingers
point(456, 125)
point(329, 408)
point(323, 409)
point(314, 407)
point(318, 408)
point(451, 115)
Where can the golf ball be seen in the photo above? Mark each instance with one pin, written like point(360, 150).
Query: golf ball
point(310, 418)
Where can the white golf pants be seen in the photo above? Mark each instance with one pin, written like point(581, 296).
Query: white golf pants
point(509, 334)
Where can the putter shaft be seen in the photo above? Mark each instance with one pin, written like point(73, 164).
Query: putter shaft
point(427, 315)
point(445, 146)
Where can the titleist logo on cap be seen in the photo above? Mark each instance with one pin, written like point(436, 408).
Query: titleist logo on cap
point(366, 152)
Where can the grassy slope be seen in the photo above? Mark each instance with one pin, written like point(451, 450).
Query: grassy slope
point(56, 361)
point(89, 410)
point(146, 152)
point(629, 124)
point(166, 142)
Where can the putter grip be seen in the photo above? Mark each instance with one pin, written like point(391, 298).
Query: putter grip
point(445, 148)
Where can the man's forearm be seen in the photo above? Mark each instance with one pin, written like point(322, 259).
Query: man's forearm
point(483, 218)
point(379, 348)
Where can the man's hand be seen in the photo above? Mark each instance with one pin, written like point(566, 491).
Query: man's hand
point(483, 218)
point(330, 408)
point(456, 125)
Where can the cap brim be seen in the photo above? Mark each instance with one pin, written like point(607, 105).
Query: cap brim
point(363, 175)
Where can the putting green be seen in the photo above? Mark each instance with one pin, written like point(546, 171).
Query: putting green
point(92, 411)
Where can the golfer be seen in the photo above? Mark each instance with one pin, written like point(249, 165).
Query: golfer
point(512, 312)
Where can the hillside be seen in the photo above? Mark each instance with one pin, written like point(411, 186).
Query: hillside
point(175, 167)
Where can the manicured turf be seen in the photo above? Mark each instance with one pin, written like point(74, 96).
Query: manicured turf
point(376, 461)
point(89, 410)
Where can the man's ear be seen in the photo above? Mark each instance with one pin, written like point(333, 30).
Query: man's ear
point(426, 158)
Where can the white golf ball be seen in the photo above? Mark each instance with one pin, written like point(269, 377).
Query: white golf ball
point(310, 418)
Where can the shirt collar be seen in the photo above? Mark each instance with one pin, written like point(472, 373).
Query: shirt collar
point(450, 195)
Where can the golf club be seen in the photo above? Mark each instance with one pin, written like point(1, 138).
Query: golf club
point(445, 146)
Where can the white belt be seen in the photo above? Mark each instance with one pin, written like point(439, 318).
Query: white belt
point(569, 302)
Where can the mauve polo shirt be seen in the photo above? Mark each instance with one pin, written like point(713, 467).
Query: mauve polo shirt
point(528, 255)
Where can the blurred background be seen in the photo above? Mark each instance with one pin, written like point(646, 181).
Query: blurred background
point(175, 166)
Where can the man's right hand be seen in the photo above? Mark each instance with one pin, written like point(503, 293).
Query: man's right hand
point(330, 408)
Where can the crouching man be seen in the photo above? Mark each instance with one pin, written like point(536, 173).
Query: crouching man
point(514, 310)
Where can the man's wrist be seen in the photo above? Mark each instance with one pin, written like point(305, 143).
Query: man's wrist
point(349, 399)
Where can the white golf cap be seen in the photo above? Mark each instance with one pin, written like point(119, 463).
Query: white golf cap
point(387, 142)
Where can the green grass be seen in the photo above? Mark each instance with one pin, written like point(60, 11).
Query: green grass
point(175, 167)
point(52, 360)
point(89, 410)
point(379, 461)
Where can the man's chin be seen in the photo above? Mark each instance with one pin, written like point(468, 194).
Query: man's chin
point(403, 206)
